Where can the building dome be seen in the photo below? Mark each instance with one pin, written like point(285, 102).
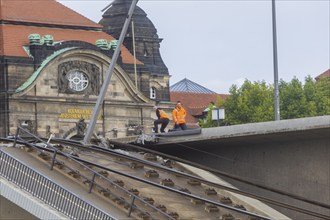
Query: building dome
point(189, 86)
point(114, 18)
point(147, 42)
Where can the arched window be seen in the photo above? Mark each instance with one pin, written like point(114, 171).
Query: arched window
point(152, 92)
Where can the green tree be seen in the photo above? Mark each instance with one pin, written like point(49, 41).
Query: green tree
point(310, 93)
point(252, 102)
point(293, 103)
point(323, 97)
point(310, 99)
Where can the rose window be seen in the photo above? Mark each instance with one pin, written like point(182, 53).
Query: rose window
point(78, 81)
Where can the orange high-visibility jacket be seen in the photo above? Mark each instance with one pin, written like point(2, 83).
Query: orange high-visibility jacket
point(179, 115)
point(163, 114)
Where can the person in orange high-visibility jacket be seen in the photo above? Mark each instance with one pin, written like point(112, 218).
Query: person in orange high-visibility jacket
point(162, 119)
point(179, 116)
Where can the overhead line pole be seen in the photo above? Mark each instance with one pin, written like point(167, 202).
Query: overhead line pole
point(276, 90)
point(134, 53)
point(106, 82)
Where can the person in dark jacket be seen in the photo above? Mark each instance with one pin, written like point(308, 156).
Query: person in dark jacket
point(162, 119)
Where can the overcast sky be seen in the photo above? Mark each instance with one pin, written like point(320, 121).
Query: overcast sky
point(222, 42)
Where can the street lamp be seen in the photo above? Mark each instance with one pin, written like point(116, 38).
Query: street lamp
point(217, 114)
point(276, 92)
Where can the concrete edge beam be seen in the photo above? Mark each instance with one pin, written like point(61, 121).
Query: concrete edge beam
point(261, 128)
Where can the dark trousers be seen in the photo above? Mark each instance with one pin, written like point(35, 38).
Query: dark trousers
point(183, 126)
point(163, 121)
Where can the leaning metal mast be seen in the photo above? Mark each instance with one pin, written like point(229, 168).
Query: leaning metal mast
point(106, 82)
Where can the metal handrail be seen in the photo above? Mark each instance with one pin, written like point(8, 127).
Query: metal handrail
point(264, 199)
point(92, 182)
point(84, 162)
point(43, 188)
point(294, 208)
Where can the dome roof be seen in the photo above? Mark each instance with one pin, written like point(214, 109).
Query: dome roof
point(189, 86)
point(147, 42)
point(114, 18)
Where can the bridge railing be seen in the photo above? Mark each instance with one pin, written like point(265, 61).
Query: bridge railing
point(47, 191)
point(93, 172)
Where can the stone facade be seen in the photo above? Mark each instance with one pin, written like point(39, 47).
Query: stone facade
point(48, 85)
point(48, 105)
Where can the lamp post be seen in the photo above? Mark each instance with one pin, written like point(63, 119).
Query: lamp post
point(217, 114)
point(276, 92)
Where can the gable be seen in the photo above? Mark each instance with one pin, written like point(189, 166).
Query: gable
point(52, 78)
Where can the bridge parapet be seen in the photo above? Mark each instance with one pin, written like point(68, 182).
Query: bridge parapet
point(279, 128)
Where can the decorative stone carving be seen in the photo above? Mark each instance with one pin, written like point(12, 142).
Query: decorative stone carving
point(90, 70)
point(105, 45)
point(34, 39)
point(48, 39)
point(48, 132)
point(81, 126)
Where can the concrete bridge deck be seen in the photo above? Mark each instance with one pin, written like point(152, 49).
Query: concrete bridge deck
point(283, 130)
point(289, 155)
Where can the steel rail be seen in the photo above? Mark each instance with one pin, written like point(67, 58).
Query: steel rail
point(83, 162)
point(285, 205)
point(103, 150)
point(270, 201)
point(327, 206)
point(313, 202)
point(173, 190)
point(56, 151)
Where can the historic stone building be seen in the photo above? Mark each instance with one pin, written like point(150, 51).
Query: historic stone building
point(53, 62)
